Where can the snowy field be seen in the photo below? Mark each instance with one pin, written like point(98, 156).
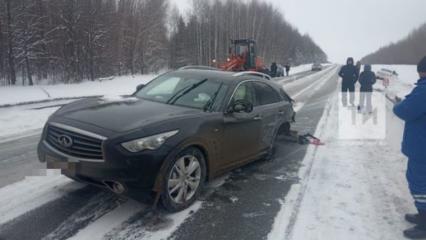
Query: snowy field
point(18, 120)
point(117, 86)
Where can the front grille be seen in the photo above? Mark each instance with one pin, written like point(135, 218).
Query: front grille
point(82, 146)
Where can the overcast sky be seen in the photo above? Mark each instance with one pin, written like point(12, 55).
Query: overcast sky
point(355, 28)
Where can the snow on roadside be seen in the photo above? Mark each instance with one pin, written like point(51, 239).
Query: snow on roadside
point(117, 86)
point(21, 119)
point(32, 192)
point(18, 121)
point(348, 190)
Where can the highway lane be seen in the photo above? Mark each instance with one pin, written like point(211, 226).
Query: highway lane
point(241, 206)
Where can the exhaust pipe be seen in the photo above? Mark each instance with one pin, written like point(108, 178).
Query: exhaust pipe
point(115, 187)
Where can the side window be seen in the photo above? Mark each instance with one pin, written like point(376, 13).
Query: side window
point(265, 94)
point(243, 92)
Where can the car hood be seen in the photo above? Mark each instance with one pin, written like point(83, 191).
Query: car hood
point(120, 114)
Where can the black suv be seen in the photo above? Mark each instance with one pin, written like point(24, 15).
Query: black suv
point(171, 136)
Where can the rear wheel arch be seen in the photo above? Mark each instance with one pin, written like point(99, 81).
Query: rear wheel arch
point(284, 128)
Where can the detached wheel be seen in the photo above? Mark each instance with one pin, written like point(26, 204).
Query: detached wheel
point(183, 180)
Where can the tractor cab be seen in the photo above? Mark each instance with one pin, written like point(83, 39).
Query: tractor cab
point(245, 48)
point(242, 57)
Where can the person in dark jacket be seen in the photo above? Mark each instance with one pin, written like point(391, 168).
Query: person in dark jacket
point(413, 111)
point(367, 79)
point(349, 75)
point(273, 69)
point(287, 69)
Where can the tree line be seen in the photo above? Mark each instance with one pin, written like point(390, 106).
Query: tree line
point(407, 51)
point(207, 33)
point(73, 40)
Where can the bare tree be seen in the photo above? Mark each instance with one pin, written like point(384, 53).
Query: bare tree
point(213, 23)
point(10, 43)
point(73, 40)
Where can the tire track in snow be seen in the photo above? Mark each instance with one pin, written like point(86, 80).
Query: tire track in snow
point(98, 206)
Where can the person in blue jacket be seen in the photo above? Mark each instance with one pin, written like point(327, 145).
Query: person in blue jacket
point(413, 111)
point(349, 75)
point(367, 79)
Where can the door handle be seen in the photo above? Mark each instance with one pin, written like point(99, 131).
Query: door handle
point(281, 112)
point(258, 117)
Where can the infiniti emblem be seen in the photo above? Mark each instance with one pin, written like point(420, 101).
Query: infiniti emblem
point(65, 141)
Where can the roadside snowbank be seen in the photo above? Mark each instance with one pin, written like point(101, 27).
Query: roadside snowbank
point(117, 86)
point(349, 189)
point(21, 120)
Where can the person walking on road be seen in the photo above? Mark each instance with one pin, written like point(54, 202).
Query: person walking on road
point(367, 79)
point(413, 111)
point(349, 75)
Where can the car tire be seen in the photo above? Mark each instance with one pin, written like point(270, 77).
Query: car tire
point(187, 169)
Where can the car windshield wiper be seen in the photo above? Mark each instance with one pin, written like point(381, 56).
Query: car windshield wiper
point(182, 92)
point(210, 103)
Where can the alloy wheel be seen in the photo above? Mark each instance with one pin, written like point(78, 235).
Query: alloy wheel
point(184, 179)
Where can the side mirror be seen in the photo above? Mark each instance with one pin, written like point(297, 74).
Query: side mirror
point(140, 86)
point(241, 106)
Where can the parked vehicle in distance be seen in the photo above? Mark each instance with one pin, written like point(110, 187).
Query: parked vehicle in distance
point(280, 70)
point(316, 67)
point(171, 136)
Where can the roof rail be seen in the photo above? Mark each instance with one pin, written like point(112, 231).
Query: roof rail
point(253, 73)
point(197, 67)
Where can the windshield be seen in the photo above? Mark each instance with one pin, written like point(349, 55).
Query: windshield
point(184, 91)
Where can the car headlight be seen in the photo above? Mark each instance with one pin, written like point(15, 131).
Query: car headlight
point(152, 142)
